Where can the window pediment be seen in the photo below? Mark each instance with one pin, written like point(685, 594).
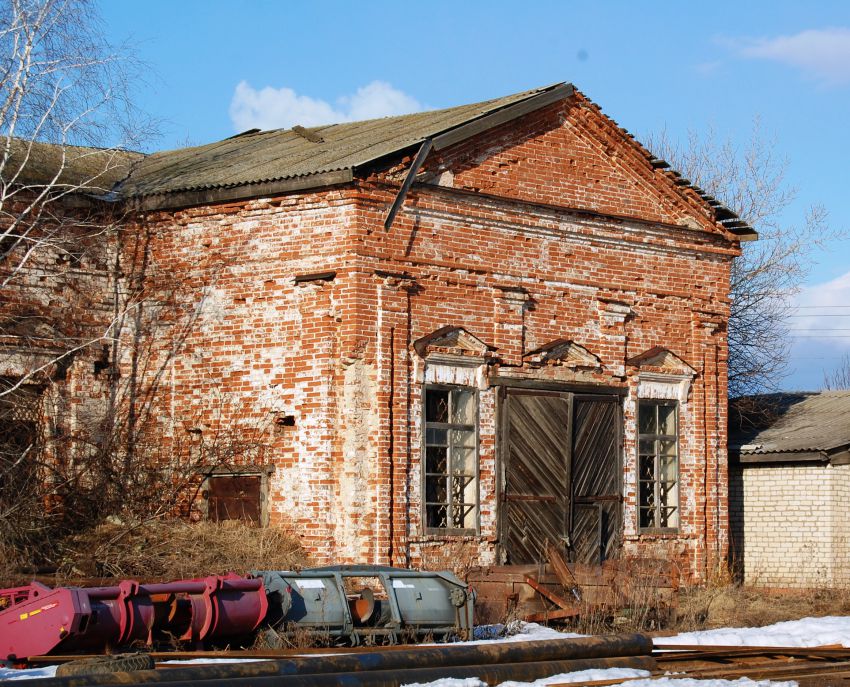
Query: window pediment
point(452, 342)
point(661, 360)
point(563, 352)
point(663, 374)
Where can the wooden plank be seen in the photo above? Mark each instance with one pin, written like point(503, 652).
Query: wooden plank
point(773, 671)
point(546, 385)
point(562, 570)
point(536, 464)
point(549, 594)
point(558, 614)
point(597, 511)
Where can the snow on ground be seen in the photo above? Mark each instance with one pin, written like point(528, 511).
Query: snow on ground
point(690, 682)
point(12, 674)
point(591, 675)
point(796, 633)
point(609, 674)
point(516, 632)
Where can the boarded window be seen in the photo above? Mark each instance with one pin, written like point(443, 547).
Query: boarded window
point(234, 497)
point(658, 465)
point(20, 412)
point(451, 458)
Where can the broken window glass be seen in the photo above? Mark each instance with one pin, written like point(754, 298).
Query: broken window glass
point(658, 465)
point(451, 458)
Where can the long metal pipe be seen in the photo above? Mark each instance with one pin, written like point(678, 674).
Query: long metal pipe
point(492, 674)
point(425, 658)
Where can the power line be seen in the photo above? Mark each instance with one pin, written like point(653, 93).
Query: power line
point(823, 314)
point(806, 307)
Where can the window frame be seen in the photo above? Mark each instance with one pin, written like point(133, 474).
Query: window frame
point(466, 531)
point(656, 528)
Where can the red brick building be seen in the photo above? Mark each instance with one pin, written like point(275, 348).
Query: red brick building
point(463, 334)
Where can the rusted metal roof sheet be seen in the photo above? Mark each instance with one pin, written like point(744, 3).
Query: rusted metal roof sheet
point(263, 156)
point(790, 423)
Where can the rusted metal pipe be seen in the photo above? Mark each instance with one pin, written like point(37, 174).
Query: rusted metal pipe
point(492, 674)
point(424, 658)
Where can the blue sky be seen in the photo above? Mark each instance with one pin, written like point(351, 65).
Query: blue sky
point(215, 68)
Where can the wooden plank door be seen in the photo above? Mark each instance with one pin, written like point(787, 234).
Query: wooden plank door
point(535, 492)
point(597, 500)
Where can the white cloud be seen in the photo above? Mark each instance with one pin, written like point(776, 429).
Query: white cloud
point(822, 53)
point(378, 99)
point(822, 311)
point(280, 108)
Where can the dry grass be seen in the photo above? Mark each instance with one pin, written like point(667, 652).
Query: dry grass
point(737, 606)
point(173, 549)
point(704, 608)
point(636, 602)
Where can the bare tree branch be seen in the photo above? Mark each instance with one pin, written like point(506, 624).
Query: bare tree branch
point(839, 378)
point(752, 182)
point(67, 123)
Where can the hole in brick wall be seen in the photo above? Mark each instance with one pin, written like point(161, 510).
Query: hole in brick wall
point(316, 276)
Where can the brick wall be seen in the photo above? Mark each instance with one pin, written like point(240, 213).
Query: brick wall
point(553, 227)
point(788, 524)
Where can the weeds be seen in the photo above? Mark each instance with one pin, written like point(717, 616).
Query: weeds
point(172, 549)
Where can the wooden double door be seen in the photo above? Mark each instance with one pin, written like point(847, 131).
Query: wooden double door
point(561, 475)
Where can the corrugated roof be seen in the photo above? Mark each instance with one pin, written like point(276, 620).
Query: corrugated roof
point(268, 162)
point(264, 156)
point(790, 422)
point(93, 170)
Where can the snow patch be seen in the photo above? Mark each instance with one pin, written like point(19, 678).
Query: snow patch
point(516, 632)
point(806, 632)
point(590, 675)
point(28, 674)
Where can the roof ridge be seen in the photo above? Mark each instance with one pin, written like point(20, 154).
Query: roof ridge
point(277, 156)
point(434, 111)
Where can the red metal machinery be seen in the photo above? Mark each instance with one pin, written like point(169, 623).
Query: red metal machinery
point(37, 620)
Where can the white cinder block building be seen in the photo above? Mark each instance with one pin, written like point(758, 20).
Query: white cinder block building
point(789, 487)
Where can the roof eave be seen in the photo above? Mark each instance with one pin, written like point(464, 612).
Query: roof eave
point(835, 455)
point(781, 457)
point(189, 198)
point(746, 233)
